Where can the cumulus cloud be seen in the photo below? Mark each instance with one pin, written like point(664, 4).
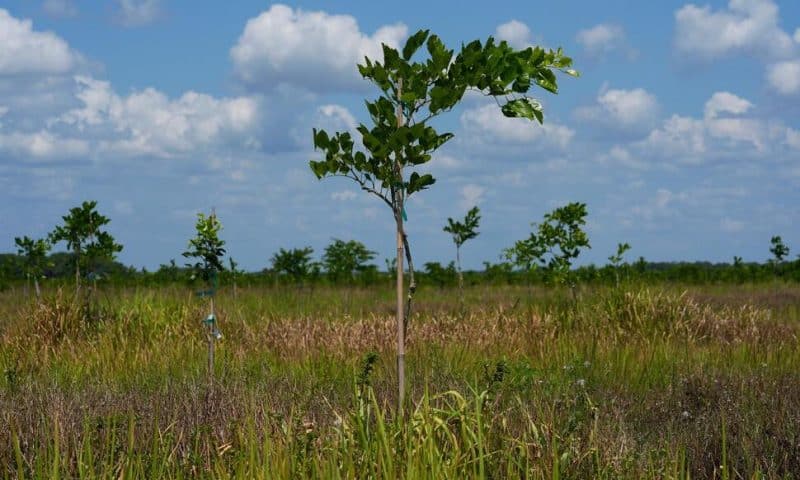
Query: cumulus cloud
point(314, 50)
point(516, 33)
point(725, 102)
point(26, 51)
point(745, 26)
point(603, 39)
point(41, 146)
point(149, 123)
point(626, 109)
point(138, 13)
point(489, 124)
point(784, 77)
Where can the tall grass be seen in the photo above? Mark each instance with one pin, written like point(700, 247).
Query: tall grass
point(645, 383)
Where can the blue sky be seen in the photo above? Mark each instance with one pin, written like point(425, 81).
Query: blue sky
point(682, 134)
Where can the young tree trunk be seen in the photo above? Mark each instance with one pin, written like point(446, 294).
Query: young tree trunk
point(77, 272)
point(401, 340)
point(211, 327)
point(36, 287)
point(460, 275)
point(401, 319)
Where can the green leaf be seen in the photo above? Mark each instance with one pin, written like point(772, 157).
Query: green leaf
point(522, 108)
point(391, 59)
point(413, 44)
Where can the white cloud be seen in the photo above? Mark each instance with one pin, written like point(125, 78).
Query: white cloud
point(784, 77)
point(620, 156)
point(735, 129)
point(315, 50)
point(603, 39)
point(27, 51)
point(148, 122)
point(749, 26)
point(488, 122)
point(60, 8)
point(42, 145)
point(137, 13)
point(725, 102)
point(681, 137)
point(635, 109)
point(731, 226)
point(335, 118)
point(516, 33)
point(471, 195)
point(343, 196)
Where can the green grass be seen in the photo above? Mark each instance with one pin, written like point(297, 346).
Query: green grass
point(652, 382)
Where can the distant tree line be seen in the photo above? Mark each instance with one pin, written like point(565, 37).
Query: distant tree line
point(545, 257)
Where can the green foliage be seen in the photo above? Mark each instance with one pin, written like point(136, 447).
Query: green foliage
point(207, 248)
point(34, 253)
point(618, 258)
point(779, 250)
point(554, 244)
point(295, 263)
point(82, 233)
point(414, 92)
point(343, 260)
point(466, 230)
point(439, 275)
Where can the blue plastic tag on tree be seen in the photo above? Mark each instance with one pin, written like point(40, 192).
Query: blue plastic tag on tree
point(403, 212)
point(205, 293)
point(210, 320)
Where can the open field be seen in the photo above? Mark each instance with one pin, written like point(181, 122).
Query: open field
point(640, 382)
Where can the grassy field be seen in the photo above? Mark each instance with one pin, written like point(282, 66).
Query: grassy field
point(637, 382)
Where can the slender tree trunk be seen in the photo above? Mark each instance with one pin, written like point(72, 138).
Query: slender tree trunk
point(77, 271)
point(460, 275)
point(401, 340)
point(401, 319)
point(36, 287)
point(211, 327)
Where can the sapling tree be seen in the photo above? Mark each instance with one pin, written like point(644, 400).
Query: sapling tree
point(461, 232)
point(617, 260)
point(207, 250)
point(401, 138)
point(343, 260)
point(295, 263)
point(235, 272)
point(82, 233)
point(34, 257)
point(779, 250)
point(554, 244)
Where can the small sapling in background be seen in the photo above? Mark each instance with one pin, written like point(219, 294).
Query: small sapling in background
point(461, 232)
point(34, 254)
point(617, 260)
point(82, 234)
point(207, 249)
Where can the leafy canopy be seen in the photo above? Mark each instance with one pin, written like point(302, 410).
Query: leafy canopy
point(206, 247)
point(82, 234)
point(342, 260)
point(296, 263)
point(34, 253)
point(778, 249)
point(416, 92)
point(466, 230)
point(555, 243)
